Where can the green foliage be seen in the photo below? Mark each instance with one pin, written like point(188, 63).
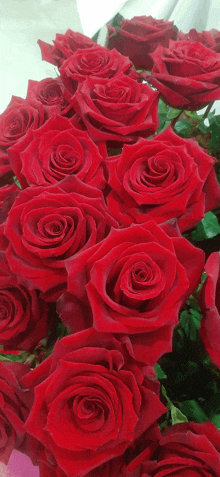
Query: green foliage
point(17, 182)
point(183, 128)
point(207, 228)
point(214, 127)
point(176, 415)
point(160, 373)
point(19, 358)
point(193, 411)
point(190, 322)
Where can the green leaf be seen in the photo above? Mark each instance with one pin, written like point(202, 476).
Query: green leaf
point(190, 322)
point(17, 182)
point(163, 125)
point(214, 127)
point(4, 358)
point(202, 128)
point(192, 114)
point(216, 420)
point(183, 128)
point(207, 228)
point(173, 113)
point(193, 411)
point(176, 415)
point(159, 372)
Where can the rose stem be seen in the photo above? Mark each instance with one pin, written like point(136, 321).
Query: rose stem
point(208, 109)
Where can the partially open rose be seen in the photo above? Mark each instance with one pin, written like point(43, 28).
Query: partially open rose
point(135, 281)
point(99, 62)
point(64, 46)
point(163, 178)
point(91, 402)
point(54, 151)
point(187, 74)
point(185, 450)
point(119, 109)
point(47, 225)
point(140, 36)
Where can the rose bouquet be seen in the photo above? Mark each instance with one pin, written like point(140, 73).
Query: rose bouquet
point(110, 271)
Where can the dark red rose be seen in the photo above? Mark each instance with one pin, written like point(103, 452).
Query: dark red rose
point(185, 450)
point(52, 94)
point(15, 405)
point(135, 281)
point(6, 191)
point(140, 36)
point(209, 301)
point(23, 316)
point(64, 46)
point(160, 179)
point(187, 74)
point(47, 225)
point(97, 62)
point(119, 109)
point(210, 38)
point(54, 151)
point(112, 468)
point(15, 121)
point(84, 394)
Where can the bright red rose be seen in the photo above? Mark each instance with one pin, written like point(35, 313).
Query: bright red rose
point(64, 46)
point(112, 468)
point(23, 316)
point(209, 301)
point(187, 74)
point(96, 62)
point(54, 151)
point(163, 178)
point(135, 281)
point(84, 393)
point(15, 121)
point(185, 450)
point(210, 38)
point(47, 225)
point(52, 94)
point(140, 36)
point(119, 109)
point(15, 405)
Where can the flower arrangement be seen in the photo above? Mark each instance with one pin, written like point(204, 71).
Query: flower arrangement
point(110, 271)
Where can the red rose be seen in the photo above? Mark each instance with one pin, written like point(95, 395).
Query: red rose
point(47, 225)
point(210, 38)
point(140, 36)
point(112, 468)
point(64, 46)
point(185, 450)
point(97, 62)
point(24, 319)
point(6, 191)
point(118, 109)
point(137, 279)
point(160, 179)
point(15, 121)
point(88, 388)
point(51, 93)
point(15, 405)
point(56, 150)
point(187, 74)
point(209, 301)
